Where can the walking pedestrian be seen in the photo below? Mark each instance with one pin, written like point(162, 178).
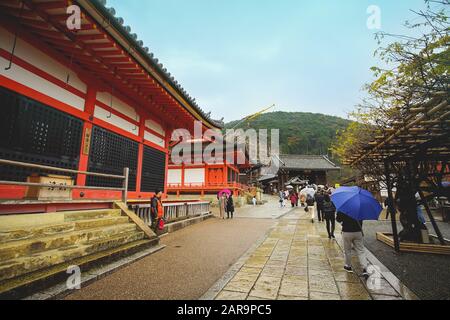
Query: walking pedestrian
point(230, 207)
point(303, 196)
point(281, 195)
point(353, 236)
point(156, 210)
point(254, 201)
point(319, 197)
point(310, 193)
point(329, 214)
point(294, 199)
point(222, 205)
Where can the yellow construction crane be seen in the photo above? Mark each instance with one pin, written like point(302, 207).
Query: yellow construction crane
point(253, 116)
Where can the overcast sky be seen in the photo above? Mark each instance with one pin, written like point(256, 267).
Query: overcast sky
point(238, 56)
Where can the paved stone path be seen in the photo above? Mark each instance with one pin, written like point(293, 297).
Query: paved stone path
point(195, 257)
point(270, 210)
point(297, 261)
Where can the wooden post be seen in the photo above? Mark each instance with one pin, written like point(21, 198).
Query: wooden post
point(391, 207)
point(126, 173)
point(142, 120)
point(433, 221)
point(91, 97)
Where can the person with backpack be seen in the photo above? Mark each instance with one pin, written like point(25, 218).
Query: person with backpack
point(230, 207)
point(329, 215)
point(353, 236)
point(319, 197)
point(156, 210)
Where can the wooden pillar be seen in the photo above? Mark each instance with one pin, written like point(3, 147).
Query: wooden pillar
point(168, 137)
point(432, 220)
point(140, 152)
point(207, 181)
point(89, 107)
point(183, 172)
point(391, 207)
point(225, 175)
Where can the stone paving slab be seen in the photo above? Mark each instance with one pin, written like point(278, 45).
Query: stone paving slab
point(297, 261)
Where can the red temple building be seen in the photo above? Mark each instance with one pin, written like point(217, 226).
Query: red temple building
point(88, 100)
point(87, 118)
point(201, 177)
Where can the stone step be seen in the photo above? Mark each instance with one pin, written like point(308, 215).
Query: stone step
point(33, 232)
point(91, 214)
point(22, 248)
point(45, 259)
point(30, 283)
point(24, 221)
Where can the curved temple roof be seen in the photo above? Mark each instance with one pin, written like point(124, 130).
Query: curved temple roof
point(109, 14)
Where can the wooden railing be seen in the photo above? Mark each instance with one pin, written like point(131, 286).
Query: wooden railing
point(205, 185)
point(124, 178)
point(173, 211)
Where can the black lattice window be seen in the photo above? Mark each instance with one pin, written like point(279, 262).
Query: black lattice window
point(153, 170)
point(110, 153)
point(35, 133)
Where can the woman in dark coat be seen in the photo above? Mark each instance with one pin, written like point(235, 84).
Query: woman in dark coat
point(230, 207)
point(329, 213)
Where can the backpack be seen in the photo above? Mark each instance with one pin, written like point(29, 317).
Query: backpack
point(309, 200)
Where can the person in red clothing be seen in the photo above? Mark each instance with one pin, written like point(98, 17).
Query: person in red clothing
point(294, 199)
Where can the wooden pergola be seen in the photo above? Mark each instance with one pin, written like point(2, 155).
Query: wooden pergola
point(411, 154)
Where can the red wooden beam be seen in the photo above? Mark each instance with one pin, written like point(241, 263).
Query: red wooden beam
point(16, 12)
point(103, 45)
point(11, 26)
point(51, 5)
point(91, 37)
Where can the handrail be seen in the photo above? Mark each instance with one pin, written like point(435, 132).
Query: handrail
point(173, 211)
point(125, 177)
point(184, 203)
point(38, 166)
point(205, 185)
point(56, 186)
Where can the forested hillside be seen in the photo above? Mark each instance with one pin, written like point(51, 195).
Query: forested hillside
point(300, 133)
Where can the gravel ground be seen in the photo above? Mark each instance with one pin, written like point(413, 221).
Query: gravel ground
point(194, 259)
point(427, 275)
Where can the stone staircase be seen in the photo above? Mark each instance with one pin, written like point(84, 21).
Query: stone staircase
point(36, 250)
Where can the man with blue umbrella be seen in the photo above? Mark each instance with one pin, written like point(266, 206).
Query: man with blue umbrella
point(355, 205)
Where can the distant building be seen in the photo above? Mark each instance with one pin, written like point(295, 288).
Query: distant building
point(295, 170)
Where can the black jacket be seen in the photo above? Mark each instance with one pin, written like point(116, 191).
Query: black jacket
point(230, 204)
point(154, 207)
point(329, 210)
point(319, 199)
point(349, 224)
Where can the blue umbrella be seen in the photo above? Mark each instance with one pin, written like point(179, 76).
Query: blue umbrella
point(356, 203)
